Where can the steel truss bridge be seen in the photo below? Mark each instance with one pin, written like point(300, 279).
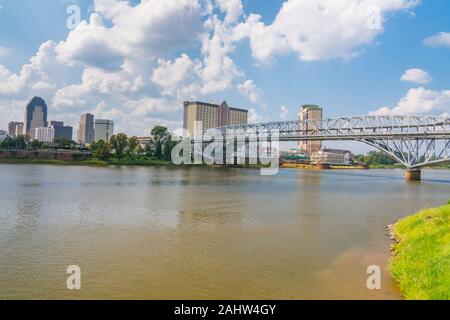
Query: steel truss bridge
point(413, 141)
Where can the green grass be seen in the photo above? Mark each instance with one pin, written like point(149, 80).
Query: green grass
point(421, 258)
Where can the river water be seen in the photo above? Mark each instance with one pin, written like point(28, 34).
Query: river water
point(202, 233)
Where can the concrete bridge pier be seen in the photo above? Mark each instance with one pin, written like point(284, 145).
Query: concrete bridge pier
point(413, 174)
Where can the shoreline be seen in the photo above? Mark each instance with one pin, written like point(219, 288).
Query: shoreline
point(159, 163)
point(91, 162)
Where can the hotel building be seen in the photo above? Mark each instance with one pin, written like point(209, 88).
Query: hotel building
point(306, 113)
point(212, 115)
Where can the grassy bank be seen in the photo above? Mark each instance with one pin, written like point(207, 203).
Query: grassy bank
point(90, 162)
point(421, 254)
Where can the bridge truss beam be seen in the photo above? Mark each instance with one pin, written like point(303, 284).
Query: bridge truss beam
point(413, 141)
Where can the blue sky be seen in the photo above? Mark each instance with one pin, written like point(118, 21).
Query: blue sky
point(133, 62)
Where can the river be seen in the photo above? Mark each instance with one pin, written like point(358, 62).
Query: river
point(202, 233)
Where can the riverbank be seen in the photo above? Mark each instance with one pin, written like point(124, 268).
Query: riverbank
point(314, 167)
point(421, 254)
point(90, 162)
point(116, 162)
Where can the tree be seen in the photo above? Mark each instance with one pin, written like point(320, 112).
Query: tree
point(133, 144)
point(103, 151)
point(35, 144)
point(167, 149)
point(148, 149)
point(7, 143)
point(376, 157)
point(119, 143)
point(21, 142)
point(158, 150)
point(95, 145)
point(160, 136)
point(159, 133)
point(63, 142)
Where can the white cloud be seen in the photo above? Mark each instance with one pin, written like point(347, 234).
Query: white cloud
point(417, 76)
point(319, 29)
point(249, 89)
point(175, 78)
point(233, 9)
point(254, 116)
point(440, 39)
point(145, 31)
point(419, 101)
point(284, 112)
point(219, 71)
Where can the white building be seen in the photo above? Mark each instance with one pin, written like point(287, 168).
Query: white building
point(44, 134)
point(332, 156)
point(103, 130)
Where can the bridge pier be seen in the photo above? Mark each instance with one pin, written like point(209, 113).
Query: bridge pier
point(413, 175)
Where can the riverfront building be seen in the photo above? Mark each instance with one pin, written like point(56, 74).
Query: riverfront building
point(309, 112)
point(212, 115)
point(15, 128)
point(103, 130)
point(332, 156)
point(35, 116)
point(86, 129)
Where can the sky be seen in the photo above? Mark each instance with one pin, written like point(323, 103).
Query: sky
point(135, 62)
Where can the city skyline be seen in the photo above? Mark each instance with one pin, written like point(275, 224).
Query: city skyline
point(223, 55)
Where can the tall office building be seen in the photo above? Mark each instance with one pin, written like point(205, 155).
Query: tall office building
point(15, 128)
point(212, 115)
point(61, 131)
point(86, 129)
point(103, 130)
point(309, 112)
point(57, 129)
point(35, 116)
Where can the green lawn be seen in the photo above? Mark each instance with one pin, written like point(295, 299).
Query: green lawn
point(421, 258)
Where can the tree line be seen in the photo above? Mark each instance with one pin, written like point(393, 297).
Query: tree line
point(22, 142)
point(121, 146)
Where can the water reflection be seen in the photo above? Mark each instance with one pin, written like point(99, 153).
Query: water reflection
point(196, 233)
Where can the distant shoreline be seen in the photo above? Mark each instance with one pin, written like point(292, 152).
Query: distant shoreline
point(160, 163)
point(90, 162)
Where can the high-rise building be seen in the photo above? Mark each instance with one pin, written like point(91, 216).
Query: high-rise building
point(212, 115)
point(19, 129)
point(103, 130)
point(61, 131)
point(35, 116)
point(57, 129)
point(309, 112)
point(86, 129)
point(15, 128)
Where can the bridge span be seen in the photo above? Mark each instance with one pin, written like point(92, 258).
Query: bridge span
point(413, 141)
